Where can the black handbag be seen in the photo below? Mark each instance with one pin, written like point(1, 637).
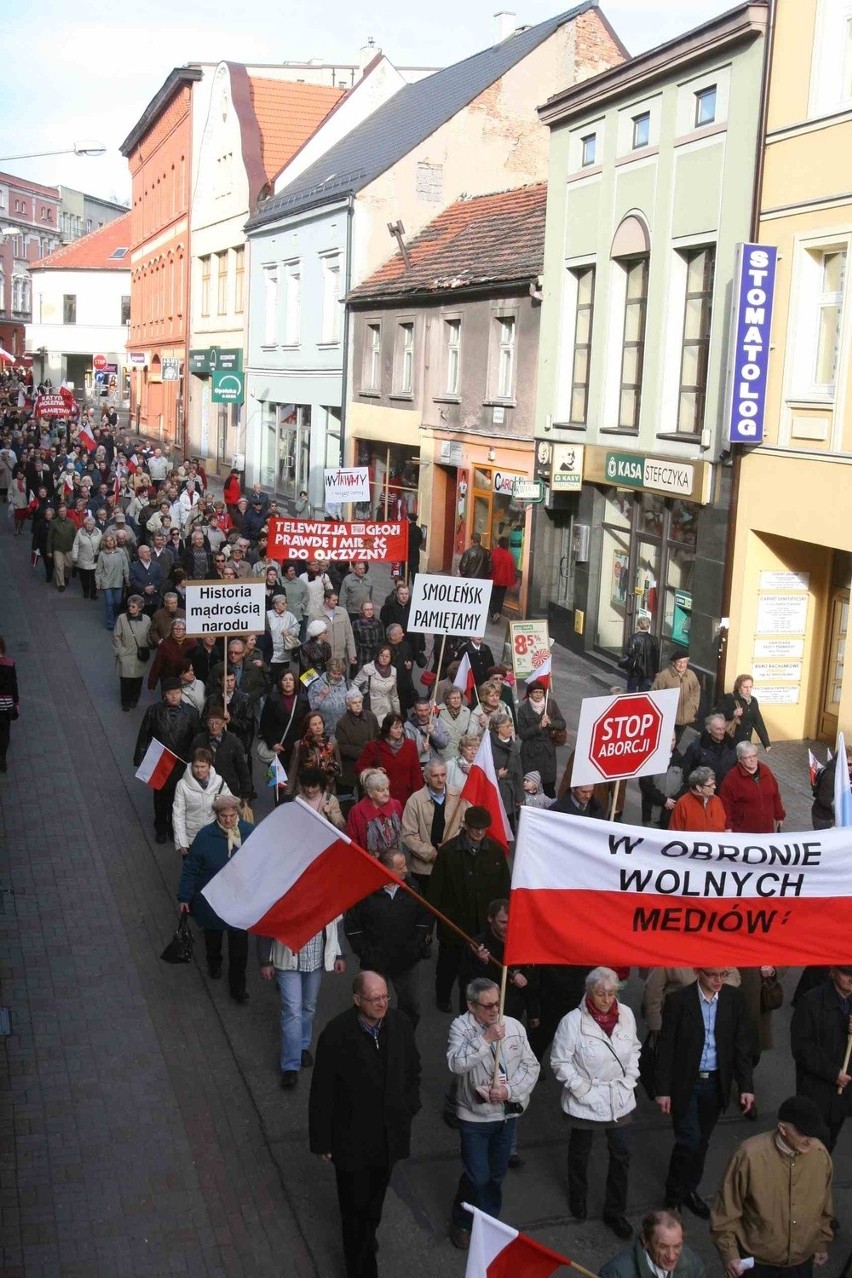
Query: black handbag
point(771, 994)
point(179, 948)
point(648, 1064)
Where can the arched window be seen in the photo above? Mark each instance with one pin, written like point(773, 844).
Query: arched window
point(631, 248)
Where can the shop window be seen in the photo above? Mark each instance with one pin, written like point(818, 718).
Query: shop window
point(698, 307)
point(270, 305)
point(371, 377)
point(394, 477)
point(452, 355)
point(705, 106)
point(205, 285)
point(239, 280)
point(505, 327)
point(292, 303)
point(633, 343)
point(404, 358)
point(222, 282)
point(331, 298)
point(581, 361)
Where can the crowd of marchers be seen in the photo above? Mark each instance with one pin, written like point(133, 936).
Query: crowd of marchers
point(371, 730)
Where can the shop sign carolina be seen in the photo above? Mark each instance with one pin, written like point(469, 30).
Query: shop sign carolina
point(754, 289)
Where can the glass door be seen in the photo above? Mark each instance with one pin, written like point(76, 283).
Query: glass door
point(834, 662)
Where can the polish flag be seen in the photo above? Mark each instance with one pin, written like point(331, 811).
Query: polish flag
point(87, 439)
point(465, 680)
point(481, 790)
point(295, 873)
point(814, 767)
point(542, 673)
point(842, 786)
point(498, 1251)
point(132, 464)
point(156, 768)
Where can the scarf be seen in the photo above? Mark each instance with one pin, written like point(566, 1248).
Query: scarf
point(606, 1020)
point(536, 707)
point(235, 839)
point(383, 670)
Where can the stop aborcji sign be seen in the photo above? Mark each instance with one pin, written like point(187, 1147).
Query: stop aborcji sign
point(623, 736)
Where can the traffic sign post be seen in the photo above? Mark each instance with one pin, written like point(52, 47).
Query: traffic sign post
point(624, 736)
point(99, 363)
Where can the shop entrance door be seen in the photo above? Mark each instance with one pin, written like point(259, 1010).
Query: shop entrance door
point(832, 686)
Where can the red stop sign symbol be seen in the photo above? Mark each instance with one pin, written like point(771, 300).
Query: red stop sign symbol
point(625, 736)
point(99, 363)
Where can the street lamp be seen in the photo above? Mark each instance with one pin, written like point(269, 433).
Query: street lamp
point(79, 148)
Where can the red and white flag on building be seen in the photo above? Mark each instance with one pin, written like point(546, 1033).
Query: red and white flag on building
point(156, 768)
point(86, 438)
point(295, 873)
point(498, 1251)
point(481, 790)
point(464, 680)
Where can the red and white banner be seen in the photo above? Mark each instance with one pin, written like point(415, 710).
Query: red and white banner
point(359, 542)
point(498, 1251)
point(481, 790)
point(61, 405)
point(590, 892)
point(156, 768)
point(628, 735)
point(293, 875)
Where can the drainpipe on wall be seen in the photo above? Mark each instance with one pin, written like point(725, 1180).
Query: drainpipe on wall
point(736, 459)
point(344, 380)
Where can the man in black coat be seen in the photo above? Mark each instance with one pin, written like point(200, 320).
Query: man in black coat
point(819, 1032)
point(579, 801)
point(365, 1091)
point(390, 932)
point(396, 611)
point(704, 1046)
point(229, 757)
point(713, 749)
point(402, 657)
point(481, 660)
point(174, 724)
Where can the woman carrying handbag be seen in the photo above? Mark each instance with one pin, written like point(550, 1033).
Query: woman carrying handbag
point(283, 714)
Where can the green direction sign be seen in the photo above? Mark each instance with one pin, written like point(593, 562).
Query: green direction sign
point(228, 361)
point(211, 359)
point(199, 361)
point(227, 387)
point(625, 470)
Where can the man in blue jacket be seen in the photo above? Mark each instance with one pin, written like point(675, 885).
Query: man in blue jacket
point(658, 1250)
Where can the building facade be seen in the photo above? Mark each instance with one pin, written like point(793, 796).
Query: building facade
point(444, 360)
point(81, 311)
point(29, 229)
point(462, 131)
point(650, 191)
point(792, 558)
point(80, 214)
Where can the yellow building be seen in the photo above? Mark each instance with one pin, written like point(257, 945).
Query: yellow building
point(792, 560)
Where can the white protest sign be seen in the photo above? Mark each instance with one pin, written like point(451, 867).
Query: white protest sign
point(449, 606)
point(627, 735)
point(225, 607)
point(352, 484)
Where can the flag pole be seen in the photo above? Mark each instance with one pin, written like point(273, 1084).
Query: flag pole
point(442, 918)
point(434, 697)
point(503, 980)
point(845, 1068)
point(614, 801)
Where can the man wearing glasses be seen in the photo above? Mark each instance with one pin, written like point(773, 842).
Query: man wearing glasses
point(496, 1072)
point(365, 1092)
point(704, 1045)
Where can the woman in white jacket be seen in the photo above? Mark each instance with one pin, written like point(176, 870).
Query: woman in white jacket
point(595, 1056)
point(193, 803)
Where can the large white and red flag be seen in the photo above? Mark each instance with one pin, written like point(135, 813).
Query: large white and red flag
point(481, 790)
point(498, 1251)
point(86, 438)
point(590, 892)
point(156, 768)
point(464, 680)
point(294, 874)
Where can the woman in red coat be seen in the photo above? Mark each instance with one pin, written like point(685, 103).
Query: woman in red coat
point(751, 796)
point(503, 574)
point(394, 752)
point(231, 491)
point(375, 823)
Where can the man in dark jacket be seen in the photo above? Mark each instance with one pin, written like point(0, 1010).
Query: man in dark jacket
point(365, 1091)
point(146, 579)
point(713, 749)
point(641, 661)
point(579, 801)
point(704, 1045)
point(229, 757)
point(819, 1032)
point(390, 932)
point(250, 672)
point(469, 872)
point(521, 983)
point(822, 809)
point(481, 660)
point(174, 724)
point(476, 560)
point(402, 656)
point(396, 611)
point(659, 1250)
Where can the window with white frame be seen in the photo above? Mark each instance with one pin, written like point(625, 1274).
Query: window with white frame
point(270, 305)
point(205, 285)
point(582, 354)
point(222, 282)
point(828, 317)
point(292, 303)
point(831, 64)
point(641, 129)
point(588, 150)
point(371, 379)
point(705, 106)
point(405, 358)
point(239, 280)
point(505, 332)
point(331, 298)
point(695, 345)
point(452, 355)
point(818, 309)
point(633, 343)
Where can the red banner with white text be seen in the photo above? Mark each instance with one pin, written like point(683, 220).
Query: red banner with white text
point(364, 541)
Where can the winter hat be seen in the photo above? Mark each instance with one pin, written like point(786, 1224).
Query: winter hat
point(801, 1112)
point(171, 685)
point(316, 628)
point(535, 777)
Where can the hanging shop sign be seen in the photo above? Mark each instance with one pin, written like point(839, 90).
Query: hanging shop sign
point(748, 362)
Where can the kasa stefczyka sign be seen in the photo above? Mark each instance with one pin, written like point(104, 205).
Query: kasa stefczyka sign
point(754, 290)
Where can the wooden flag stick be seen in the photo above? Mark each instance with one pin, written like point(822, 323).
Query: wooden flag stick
point(434, 696)
point(845, 1069)
point(443, 919)
point(503, 980)
point(614, 801)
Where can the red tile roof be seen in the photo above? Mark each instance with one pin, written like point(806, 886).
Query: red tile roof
point(474, 241)
point(92, 252)
point(287, 114)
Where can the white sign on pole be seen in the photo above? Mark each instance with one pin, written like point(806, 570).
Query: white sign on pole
point(449, 606)
point(225, 607)
point(352, 484)
point(626, 735)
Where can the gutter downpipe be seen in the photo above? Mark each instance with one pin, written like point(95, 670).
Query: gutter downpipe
point(344, 380)
point(736, 460)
